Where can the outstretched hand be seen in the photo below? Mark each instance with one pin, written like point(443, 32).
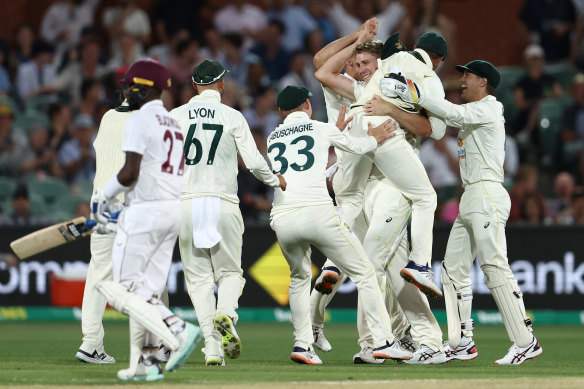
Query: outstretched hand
point(383, 131)
point(341, 122)
point(283, 183)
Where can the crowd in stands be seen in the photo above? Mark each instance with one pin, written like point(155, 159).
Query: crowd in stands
point(58, 78)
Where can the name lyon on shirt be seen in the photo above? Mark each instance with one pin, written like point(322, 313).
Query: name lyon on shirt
point(201, 113)
point(291, 130)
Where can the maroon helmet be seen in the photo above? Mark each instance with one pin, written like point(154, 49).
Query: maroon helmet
point(147, 72)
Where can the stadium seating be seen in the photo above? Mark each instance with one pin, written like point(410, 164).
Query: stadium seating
point(510, 75)
point(549, 125)
point(30, 118)
point(7, 187)
point(563, 72)
point(50, 189)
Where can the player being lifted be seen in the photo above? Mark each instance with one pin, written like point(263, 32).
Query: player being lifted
point(479, 229)
point(305, 215)
point(148, 226)
point(383, 203)
point(210, 236)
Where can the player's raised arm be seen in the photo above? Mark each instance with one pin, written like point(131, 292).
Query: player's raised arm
point(329, 73)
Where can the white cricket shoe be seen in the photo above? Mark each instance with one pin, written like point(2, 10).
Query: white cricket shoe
point(189, 337)
point(421, 276)
point(328, 278)
point(163, 353)
point(366, 356)
point(517, 355)
point(320, 342)
point(392, 351)
point(147, 370)
point(213, 354)
point(407, 342)
point(94, 357)
point(305, 356)
point(231, 341)
point(424, 355)
point(465, 351)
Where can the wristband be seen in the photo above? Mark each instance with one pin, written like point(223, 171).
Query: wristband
point(114, 188)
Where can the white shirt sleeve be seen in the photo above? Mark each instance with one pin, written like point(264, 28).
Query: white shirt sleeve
point(435, 89)
point(349, 143)
point(458, 115)
point(252, 158)
point(135, 135)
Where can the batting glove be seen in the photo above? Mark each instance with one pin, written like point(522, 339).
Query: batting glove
point(395, 84)
point(103, 209)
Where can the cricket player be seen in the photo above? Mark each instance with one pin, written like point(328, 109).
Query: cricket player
point(396, 159)
point(386, 212)
point(305, 215)
point(109, 160)
point(210, 237)
point(148, 226)
point(479, 229)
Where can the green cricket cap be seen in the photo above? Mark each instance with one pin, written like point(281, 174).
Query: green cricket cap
point(392, 45)
point(482, 69)
point(292, 96)
point(433, 41)
point(209, 72)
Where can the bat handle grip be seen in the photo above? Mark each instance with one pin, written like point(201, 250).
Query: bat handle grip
point(90, 223)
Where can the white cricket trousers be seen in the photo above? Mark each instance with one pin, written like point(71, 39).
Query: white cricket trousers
point(145, 239)
point(320, 226)
point(94, 303)
point(219, 264)
point(401, 165)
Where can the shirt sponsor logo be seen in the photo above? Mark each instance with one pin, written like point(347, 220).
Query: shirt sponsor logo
point(461, 153)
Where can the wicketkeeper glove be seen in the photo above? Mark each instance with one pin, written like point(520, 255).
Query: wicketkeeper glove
point(105, 211)
point(395, 84)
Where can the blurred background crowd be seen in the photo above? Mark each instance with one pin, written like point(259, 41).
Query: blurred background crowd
point(60, 62)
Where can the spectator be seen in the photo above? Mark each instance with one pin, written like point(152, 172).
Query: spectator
point(185, 93)
point(87, 67)
point(77, 156)
point(24, 39)
point(92, 94)
point(529, 91)
point(82, 209)
point(525, 186)
point(531, 211)
point(440, 158)
point(63, 22)
point(319, 12)
point(125, 18)
point(233, 96)
point(213, 48)
point(236, 60)
point(60, 125)
point(450, 209)
point(571, 156)
point(5, 83)
point(12, 143)
point(559, 208)
point(21, 214)
point(128, 52)
point(273, 55)
point(241, 18)
point(298, 23)
point(180, 67)
point(171, 16)
point(263, 115)
point(39, 159)
point(348, 15)
point(550, 23)
point(577, 209)
point(36, 77)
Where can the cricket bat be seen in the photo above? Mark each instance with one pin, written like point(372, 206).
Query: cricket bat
point(52, 236)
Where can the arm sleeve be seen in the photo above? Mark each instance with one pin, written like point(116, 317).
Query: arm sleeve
point(435, 89)
point(49, 30)
point(458, 115)
point(252, 158)
point(351, 144)
point(136, 135)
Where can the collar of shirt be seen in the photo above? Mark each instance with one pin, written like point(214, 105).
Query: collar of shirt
point(151, 104)
point(208, 95)
point(296, 117)
point(488, 98)
point(426, 57)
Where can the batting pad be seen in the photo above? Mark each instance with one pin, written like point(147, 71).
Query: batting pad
point(138, 336)
point(137, 308)
point(509, 300)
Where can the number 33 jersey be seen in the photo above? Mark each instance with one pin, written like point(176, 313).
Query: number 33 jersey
point(213, 135)
point(154, 134)
point(299, 149)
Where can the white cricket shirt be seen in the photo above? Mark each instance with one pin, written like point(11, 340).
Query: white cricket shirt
point(481, 139)
point(154, 134)
point(298, 149)
point(213, 134)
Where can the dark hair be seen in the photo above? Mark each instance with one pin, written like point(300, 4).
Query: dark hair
point(491, 90)
point(234, 38)
point(183, 45)
point(278, 23)
point(54, 109)
point(40, 47)
point(86, 85)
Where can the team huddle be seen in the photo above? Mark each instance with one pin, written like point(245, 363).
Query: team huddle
point(176, 175)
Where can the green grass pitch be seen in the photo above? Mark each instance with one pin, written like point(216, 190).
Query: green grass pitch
point(43, 354)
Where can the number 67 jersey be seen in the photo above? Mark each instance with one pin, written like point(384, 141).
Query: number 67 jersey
point(298, 149)
point(213, 135)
